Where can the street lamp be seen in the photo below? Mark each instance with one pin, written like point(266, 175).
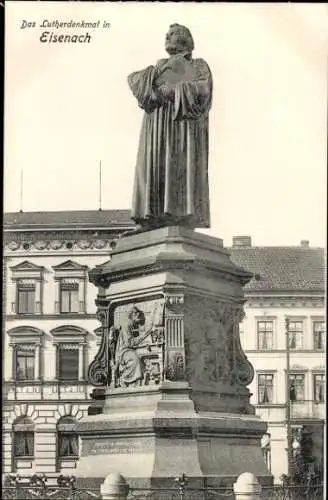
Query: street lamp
point(288, 423)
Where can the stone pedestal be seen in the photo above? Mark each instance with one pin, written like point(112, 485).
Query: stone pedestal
point(170, 301)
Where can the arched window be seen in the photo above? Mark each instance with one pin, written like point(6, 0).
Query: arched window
point(23, 430)
point(67, 438)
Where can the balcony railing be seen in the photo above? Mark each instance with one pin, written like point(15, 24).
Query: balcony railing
point(35, 390)
point(36, 310)
point(307, 409)
point(298, 410)
point(81, 308)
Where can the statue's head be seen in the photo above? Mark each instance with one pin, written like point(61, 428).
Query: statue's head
point(179, 40)
point(136, 317)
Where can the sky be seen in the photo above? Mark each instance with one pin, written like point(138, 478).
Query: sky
point(68, 107)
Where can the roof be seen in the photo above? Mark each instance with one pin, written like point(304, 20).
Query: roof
point(274, 268)
point(72, 219)
point(282, 268)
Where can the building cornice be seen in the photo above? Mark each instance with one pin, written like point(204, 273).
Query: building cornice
point(290, 300)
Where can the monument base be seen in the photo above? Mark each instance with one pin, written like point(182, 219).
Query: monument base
point(153, 435)
point(170, 302)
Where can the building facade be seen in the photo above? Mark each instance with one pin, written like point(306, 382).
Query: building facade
point(284, 336)
point(51, 335)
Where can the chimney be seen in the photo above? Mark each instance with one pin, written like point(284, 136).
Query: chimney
point(305, 243)
point(241, 241)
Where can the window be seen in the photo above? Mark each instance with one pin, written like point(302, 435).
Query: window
point(296, 387)
point(23, 438)
point(68, 362)
point(24, 363)
point(264, 335)
point(25, 298)
point(71, 290)
point(319, 388)
point(266, 450)
point(318, 335)
point(69, 297)
point(265, 388)
point(67, 438)
point(295, 334)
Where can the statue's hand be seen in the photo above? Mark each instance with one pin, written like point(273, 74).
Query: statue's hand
point(162, 66)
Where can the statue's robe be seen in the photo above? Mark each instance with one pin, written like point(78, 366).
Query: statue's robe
point(171, 177)
point(128, 362)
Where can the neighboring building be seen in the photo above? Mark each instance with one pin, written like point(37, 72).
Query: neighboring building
point(51, 334)
point(288, 283)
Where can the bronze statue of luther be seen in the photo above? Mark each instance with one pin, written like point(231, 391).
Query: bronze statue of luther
point(171, 176)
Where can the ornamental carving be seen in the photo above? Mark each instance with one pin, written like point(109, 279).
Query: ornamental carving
point(40, 244)
point(13, 245)
point(99, 373)
point(56, 244)
point(214, 355)
point(132, 349)
point(84, 244)
point(99, 244)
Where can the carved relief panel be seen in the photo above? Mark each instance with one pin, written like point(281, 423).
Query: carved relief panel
point(132, 348)
point(213, 352)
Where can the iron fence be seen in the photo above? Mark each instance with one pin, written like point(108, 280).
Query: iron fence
point(39, 488)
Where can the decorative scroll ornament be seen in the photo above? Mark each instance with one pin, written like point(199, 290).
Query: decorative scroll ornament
point(99, 373)
point(243, 372)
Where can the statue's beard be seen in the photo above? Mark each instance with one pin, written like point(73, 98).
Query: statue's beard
point(174, 49)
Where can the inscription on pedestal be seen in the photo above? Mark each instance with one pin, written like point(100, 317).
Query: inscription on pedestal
point(112, 446)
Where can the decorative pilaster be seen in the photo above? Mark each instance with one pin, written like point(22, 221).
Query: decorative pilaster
point(37, 362)
point(174, 337)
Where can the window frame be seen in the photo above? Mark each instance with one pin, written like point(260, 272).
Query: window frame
point(23, 427)
point(300, 345)
point(31, 338)
point(26, 274)
point(63, 346)
point(259, 332)
point(295, 375)
point(322, 332)
point(27, 349)
point(69, 288)
point(66, 428)
point(314, 377)
point(74, 336)
point(22, 290)
point(265, 374)
point(71, 273)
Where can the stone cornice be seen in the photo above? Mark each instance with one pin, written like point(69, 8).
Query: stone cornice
point(291, 300)
point(12, 317)
point(40, 242)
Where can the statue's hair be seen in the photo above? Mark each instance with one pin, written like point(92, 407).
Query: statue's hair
point(141, 317)
point(185, 37)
